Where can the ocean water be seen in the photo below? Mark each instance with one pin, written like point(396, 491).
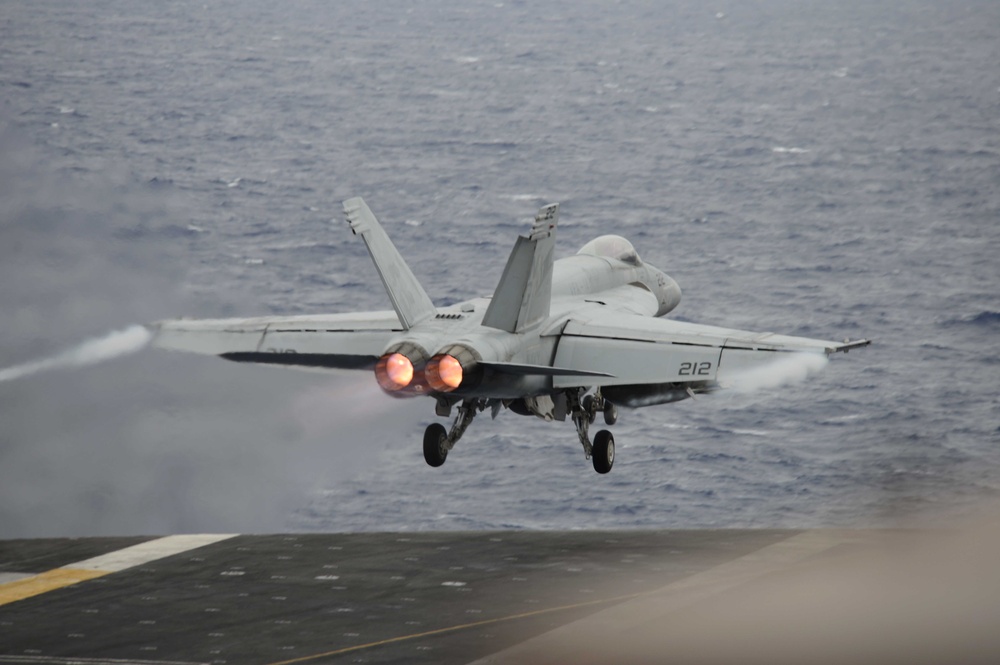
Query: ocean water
point(820, 169)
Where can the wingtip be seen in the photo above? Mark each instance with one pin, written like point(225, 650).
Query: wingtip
point(848, 345)
point(354, 208)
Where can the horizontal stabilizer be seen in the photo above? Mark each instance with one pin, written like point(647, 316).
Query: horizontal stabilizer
point(411, 302)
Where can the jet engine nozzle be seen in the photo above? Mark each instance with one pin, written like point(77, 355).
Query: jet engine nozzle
point(452, 368)
point(400, 372)
point(444, 373)
point(393, 371)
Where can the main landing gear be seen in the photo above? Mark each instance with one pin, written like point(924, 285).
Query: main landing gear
point(437, 442)
point(584, 412)
point(581, 407)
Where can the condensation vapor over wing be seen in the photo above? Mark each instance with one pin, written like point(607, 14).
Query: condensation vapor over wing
point(149, 443)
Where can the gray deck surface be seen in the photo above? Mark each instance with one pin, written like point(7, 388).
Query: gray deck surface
point(506, 598)
point(268, 599)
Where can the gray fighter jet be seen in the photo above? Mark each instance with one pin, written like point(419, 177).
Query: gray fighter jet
point(567, 338)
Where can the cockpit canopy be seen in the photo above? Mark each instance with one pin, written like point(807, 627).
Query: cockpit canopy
point(612, 247)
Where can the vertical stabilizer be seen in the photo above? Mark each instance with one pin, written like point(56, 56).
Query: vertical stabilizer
point(523, 295)
point(411, 302)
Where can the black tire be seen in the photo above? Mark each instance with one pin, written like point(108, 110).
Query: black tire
point(610, 413)
point(603, 453)
point(434, 451)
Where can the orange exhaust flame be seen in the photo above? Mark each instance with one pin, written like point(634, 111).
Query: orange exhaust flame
point(393, 372)
point(444, 373)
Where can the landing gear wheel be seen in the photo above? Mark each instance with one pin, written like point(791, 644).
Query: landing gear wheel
point(434, 451)
point(588, 407)
point(604, 451)
point(610, 413)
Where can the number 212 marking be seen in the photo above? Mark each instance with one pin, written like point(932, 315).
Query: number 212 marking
point(695, 369)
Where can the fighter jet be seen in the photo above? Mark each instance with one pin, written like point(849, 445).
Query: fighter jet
point(557, 339)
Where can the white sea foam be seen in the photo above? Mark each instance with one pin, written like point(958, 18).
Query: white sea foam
point(113, 345)
point(522, 197)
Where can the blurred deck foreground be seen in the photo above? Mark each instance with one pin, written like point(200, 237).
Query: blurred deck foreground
point(706, 596)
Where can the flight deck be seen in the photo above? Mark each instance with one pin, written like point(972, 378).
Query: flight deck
point(450, 597)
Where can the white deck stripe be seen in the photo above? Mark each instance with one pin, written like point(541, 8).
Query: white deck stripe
point(149, 551)
point(13, 577)
point(13, 589)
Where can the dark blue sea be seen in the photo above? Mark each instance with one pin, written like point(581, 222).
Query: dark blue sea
point(827, 169)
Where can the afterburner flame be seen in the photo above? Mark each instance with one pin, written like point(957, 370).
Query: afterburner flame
point(444, 373)
point(450, 372)
point(394, 372)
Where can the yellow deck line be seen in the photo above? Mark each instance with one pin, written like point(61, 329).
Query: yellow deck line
point(105, 564)
point(45, 582)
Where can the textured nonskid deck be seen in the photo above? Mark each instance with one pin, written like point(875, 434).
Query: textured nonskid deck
point(502, 597)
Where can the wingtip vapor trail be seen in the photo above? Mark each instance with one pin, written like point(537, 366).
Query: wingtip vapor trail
point(788, 369)
point(89, 352)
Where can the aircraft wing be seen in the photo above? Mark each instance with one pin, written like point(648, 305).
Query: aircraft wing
point(636, 350)
point(333, 341)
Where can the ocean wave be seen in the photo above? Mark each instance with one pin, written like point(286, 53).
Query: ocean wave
point(984, 319)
